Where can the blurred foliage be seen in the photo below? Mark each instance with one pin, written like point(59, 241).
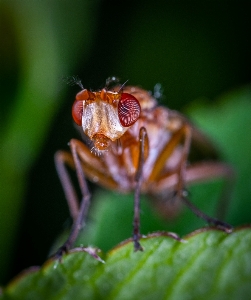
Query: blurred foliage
point(32, 34)
point(196, 49)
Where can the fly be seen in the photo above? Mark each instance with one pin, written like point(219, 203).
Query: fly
point(133, 145)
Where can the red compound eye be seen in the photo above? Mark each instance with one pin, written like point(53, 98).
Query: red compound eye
point(77, 112)
point(128, 109)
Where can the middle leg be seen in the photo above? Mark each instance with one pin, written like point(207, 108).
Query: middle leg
point(143, 151)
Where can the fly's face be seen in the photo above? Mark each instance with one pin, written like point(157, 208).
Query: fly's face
point(104, 115)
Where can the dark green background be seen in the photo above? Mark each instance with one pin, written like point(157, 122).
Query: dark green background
point(194, 49)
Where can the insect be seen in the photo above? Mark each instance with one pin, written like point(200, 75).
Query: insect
point(133, 144)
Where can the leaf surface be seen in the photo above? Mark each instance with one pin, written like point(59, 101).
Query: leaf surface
point(207, 263)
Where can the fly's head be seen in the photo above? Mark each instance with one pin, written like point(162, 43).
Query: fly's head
point(105, 115)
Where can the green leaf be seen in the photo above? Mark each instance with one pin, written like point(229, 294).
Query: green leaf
point(208, 264)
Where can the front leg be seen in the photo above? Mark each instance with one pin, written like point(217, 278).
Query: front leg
point(78, 212)
point(87, 165)
point(143, 152)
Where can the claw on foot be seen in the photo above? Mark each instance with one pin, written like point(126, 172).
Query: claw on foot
point(224, 226)
point(60, 252)
point(90, 250)
point(137, 246)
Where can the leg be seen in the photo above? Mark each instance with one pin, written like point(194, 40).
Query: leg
point(143, 150)
point(93, 168)
point(220, 224)
point(183, 162)
point(62, 159)
point(211, 170)
point(185, 133)
point(86, 164)
point(199, 172)
point(77, 214)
